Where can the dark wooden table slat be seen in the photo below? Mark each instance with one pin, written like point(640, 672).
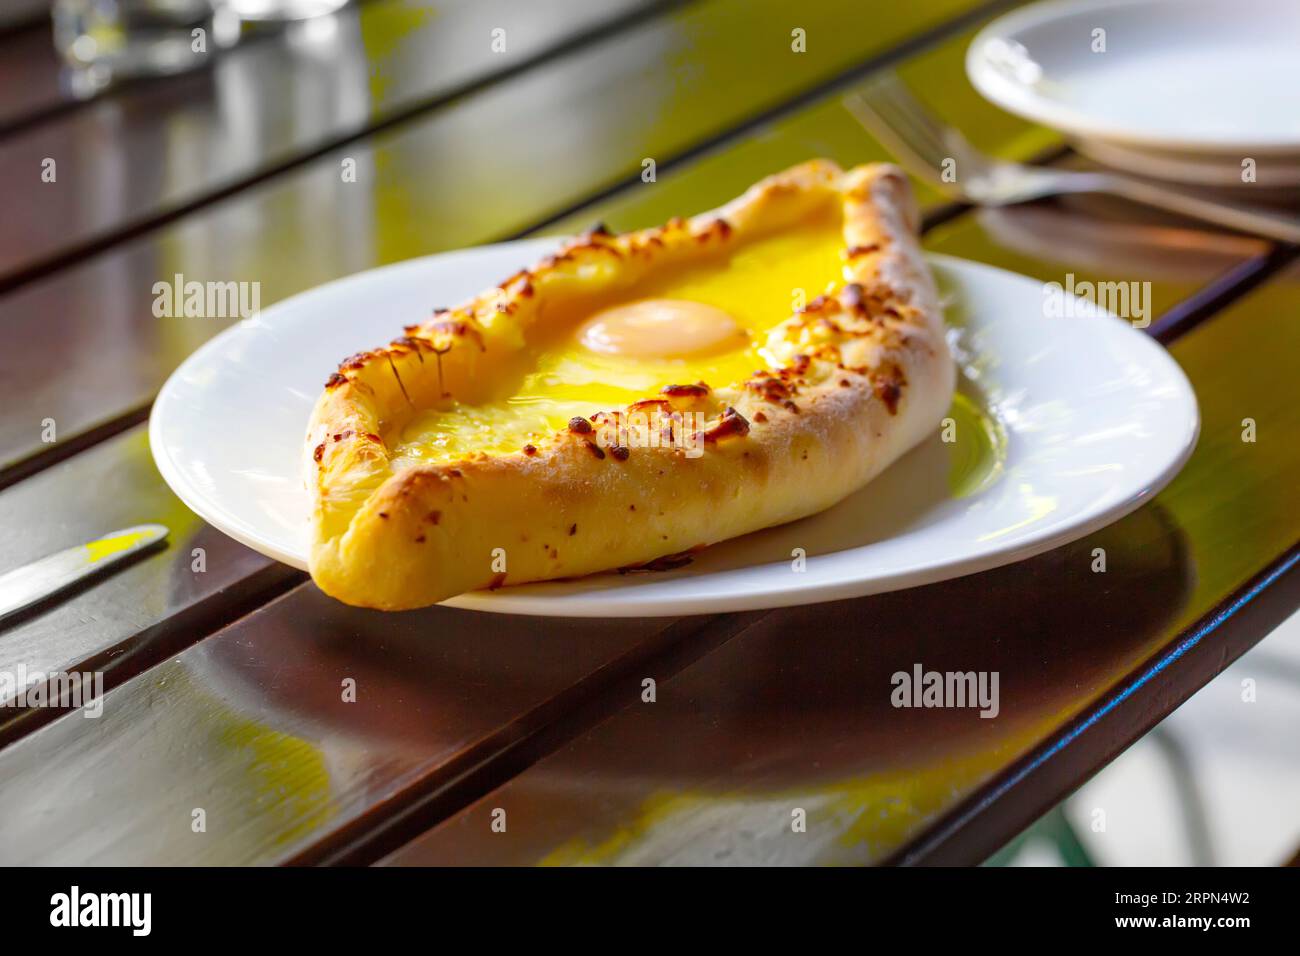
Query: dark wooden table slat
point(24, 14)
point(30, 84)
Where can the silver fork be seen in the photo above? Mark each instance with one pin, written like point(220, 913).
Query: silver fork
point(927, 147)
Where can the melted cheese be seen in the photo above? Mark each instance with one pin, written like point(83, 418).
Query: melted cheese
point(721, 312)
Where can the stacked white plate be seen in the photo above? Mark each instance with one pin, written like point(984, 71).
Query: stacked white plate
point(1205, 92)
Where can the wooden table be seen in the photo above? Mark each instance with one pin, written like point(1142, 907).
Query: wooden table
point(225, 681)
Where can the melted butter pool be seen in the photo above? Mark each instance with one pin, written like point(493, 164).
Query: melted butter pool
point(976, 442)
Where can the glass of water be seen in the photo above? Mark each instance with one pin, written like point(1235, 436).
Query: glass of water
point(103, 39)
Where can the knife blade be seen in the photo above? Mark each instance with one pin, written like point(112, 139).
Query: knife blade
point(24, 586)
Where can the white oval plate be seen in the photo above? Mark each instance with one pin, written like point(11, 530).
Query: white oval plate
point(1209, 76)
point(1097, 419)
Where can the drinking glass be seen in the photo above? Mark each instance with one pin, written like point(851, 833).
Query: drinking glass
point(284, 9)
point(111, 38)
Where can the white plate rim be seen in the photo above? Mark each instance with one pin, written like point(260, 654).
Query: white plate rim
point(1021, 100)
point(532, 600)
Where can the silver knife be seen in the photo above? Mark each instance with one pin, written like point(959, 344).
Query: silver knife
point(23, 587)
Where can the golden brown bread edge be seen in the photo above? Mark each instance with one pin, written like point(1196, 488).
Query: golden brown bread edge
point(866, 376)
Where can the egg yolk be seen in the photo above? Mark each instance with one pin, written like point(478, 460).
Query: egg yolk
point(662, 328)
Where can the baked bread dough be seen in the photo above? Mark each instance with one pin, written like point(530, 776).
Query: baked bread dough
point(846, 384)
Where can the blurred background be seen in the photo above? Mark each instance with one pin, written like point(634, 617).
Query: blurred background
point(1218, 782)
